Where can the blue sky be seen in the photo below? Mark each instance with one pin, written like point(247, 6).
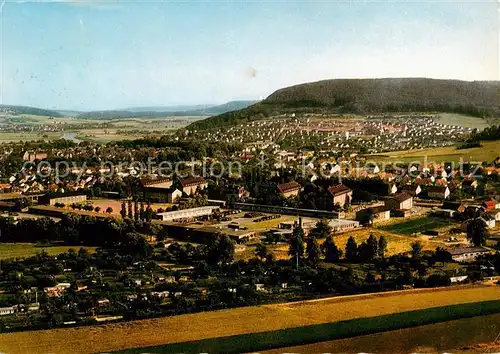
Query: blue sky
point(87, 55)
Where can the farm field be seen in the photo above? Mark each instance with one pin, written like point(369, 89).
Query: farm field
point(450, 336)
point(96, 130)
point(228, 322)
point(416, 225)
point(462, 120)
point(396, 243)
point(8, 137)
point(15, 250)
point(489, 151)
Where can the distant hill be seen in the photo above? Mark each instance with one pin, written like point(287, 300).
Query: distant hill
point(205, 111)
point(18, 110)
point(226, 107)
point(179, 108)
point(69, 113)
point(363, 96)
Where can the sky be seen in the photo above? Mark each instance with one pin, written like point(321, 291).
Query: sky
point(93, 55)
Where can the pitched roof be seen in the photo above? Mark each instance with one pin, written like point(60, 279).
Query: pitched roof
point(452, 205)
point(490, 204)
point(147, 181)
point(401, 197)
point(287, 187)
point(192, 181)
point(436, 189)
point(339, 189)
point(378, 209)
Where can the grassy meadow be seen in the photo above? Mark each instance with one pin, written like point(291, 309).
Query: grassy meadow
point(487, 152)
point(22, 250)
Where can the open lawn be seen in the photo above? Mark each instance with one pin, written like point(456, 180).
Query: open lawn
point(20, 250)
point(487, 152)
point(417, 225)
point(244, 320)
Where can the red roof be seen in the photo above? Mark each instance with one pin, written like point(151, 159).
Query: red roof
point(339, 189)
point(287, 187)
point(490, 204)
point(149, 181)
point(192, 181)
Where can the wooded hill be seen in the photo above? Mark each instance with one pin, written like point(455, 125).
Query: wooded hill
point(364, 96)
point(17, 110)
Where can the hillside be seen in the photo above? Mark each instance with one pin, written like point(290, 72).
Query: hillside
point(17, 110)
point(157, 112)
point(362, 96)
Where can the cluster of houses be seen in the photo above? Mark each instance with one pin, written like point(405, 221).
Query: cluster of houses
point(488, 211)
point(376, 133)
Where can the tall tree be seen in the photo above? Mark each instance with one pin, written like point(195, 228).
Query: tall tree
point(416, 249)
point(371, 248)
point(477, 232)
point(351, 250)
point(382, 246)
point(136, 210)
point(330, 250)
point(129, 212)
point(296, 250)
point(261, 251)
point(123, 211)
point(322, 229)
point(313, 251)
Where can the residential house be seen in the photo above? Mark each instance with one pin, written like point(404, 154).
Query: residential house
point(192, 184)
point(489, 220)
point(32, 156)
point(401, 201)
point(455, 206)
point(290, 189)
point(490, 205)
point(340, 195)
point(469, 185)
point(438, 192)
point(411, 189)
point(369, 215)
point(495, 214)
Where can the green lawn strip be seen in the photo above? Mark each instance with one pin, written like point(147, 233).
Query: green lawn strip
point(253, 342)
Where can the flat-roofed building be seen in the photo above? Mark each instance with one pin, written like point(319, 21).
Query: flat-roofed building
point(187, 213)
point(464, 254)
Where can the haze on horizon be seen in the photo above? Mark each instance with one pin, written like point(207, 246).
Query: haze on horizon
point(90, 55)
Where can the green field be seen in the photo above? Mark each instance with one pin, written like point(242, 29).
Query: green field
point(487, 152)
point(463, 121)
point(254, 342)
point(415, 225)
point(19, 250)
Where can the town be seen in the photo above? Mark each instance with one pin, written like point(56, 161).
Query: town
point(140, 243)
